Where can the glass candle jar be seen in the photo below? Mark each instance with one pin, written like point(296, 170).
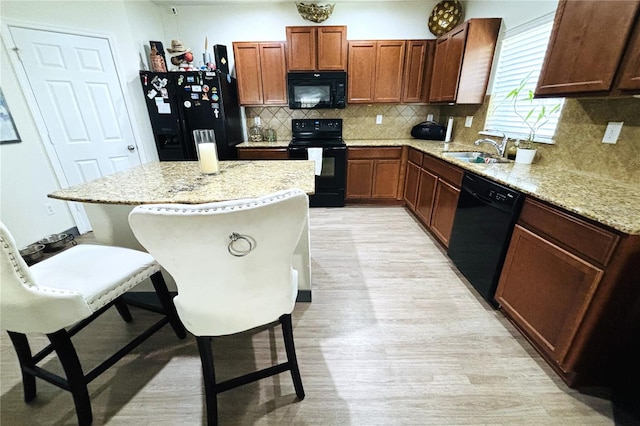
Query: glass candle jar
point(206, 149)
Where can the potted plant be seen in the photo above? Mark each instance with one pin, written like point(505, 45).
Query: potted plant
point(536, 117)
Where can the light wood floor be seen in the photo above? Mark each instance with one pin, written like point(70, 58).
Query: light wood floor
point(394, 336)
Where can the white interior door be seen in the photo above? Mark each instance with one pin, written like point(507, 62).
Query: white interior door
point(74, 82)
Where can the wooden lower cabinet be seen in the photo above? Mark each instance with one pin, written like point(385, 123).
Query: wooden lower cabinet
point(373, 174)
point(571, 287)
point(444, 210)
point(359, 179)
point(411, 183)
point(426, 194)
point(547, 291)
point(263, 154)
point(432, 189)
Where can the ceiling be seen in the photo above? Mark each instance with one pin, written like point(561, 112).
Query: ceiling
point(212, 2)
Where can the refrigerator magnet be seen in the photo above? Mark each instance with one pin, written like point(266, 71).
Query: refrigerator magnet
point(187, 104)
point(205, 97)
point(151, 94)
point(195, 96)
point(205, 88)
point(196, 88)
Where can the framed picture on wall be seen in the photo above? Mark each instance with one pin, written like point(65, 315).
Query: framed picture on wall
point(8, 131)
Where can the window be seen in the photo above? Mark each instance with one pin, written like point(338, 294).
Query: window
point(521, 56)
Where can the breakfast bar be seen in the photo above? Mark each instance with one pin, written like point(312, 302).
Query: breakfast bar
point(108, 200)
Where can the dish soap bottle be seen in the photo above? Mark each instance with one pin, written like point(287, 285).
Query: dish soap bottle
point(255, 132)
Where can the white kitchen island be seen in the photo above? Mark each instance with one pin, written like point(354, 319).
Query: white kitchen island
point(109, 200)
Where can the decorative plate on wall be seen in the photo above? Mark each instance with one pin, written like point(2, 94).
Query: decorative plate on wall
point(444, 17)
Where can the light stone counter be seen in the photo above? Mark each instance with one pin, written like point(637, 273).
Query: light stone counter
point(596, 197)
point(109, 200)
point(182, 182)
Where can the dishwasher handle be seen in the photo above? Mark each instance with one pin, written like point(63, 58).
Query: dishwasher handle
point(480, 197)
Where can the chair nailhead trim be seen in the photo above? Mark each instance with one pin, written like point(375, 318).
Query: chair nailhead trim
point(249, 204)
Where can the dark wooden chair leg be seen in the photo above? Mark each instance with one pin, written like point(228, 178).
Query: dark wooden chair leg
point(123, 310)
point(75, 376)
point(209, 376)
point(23, 350)
point(167, 304)
point(287, 333)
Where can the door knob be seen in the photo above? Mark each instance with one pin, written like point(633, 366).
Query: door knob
point(131, 148)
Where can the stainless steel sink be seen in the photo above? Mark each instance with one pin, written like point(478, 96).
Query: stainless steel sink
point(463, 155)
point(475, 157)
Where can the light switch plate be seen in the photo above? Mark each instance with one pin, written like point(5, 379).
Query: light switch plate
point(429, 117)
point(468, 121)
point(613, 132)
point(379, 119)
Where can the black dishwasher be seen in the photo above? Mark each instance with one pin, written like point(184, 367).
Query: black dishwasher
point(482, 228)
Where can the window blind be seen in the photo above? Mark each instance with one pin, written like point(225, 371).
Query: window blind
point(522, 53)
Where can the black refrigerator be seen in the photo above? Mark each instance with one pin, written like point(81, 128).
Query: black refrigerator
point(180, 102)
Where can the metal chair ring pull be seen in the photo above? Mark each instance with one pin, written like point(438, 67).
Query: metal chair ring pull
point(233, 248)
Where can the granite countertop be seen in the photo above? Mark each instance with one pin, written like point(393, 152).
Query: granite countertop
point(596, 197)
point(182, 182)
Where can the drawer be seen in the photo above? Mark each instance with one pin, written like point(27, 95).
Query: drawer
point(365, 153)
point(263, 154)
point(446, 171)
point(590, 241)
point(415, 156)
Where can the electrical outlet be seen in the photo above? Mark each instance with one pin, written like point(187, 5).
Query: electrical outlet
point(468, 121)
point(379, 119)
point(613, 132)
point(50, 210)
point(429, 117)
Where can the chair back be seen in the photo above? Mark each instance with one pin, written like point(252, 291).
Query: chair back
point(26, 306)
point(221, 290)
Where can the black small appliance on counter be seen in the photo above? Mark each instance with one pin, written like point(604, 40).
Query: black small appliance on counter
point(429, 130)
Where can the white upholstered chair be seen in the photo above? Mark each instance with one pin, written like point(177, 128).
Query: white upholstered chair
point(232, 265)
point(61, 295)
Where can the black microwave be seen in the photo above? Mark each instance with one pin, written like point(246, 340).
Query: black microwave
point(324, 89)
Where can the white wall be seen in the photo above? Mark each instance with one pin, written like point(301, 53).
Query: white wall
point(224, 23)
point(26, 175)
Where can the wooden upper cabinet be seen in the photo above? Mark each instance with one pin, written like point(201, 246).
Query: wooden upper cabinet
point(462, 62)
point(389, 71)
point(629, 72)
point(587, 44)
point(376, 71)
point(362, 67)
point(418, 69)
point(261, 73)
point(321, 48)
point(332, 48)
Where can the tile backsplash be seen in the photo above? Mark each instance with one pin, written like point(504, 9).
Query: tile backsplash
point(578, 137)
point(578, 140)
point(359, 121)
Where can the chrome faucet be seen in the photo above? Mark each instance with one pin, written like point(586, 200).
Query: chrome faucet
point(500, 147)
